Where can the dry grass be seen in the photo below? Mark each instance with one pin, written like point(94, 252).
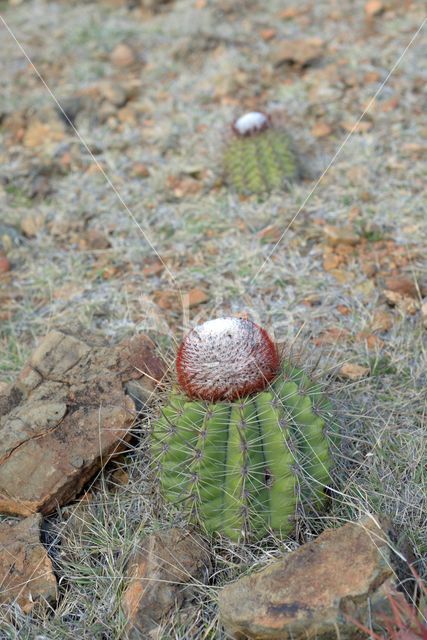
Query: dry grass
point(210, 240)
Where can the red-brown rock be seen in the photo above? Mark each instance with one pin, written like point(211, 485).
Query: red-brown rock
point(160, 573)
point(312, 591)
point(26, 576)
point(65, 416)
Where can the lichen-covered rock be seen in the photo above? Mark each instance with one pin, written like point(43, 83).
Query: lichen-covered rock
point(311, 593)
point(65, 416)
point(26, 576)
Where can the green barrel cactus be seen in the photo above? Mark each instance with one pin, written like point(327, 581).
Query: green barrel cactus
point(259, 157)
point(245, 439)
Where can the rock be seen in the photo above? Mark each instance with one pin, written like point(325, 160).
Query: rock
point(310, 592)
point(406, 304)
point(140, 170)
point(153, 5)
point(382, 321)
point(42, 134)
point(340, 235)
point(357, 127)
point(66, 415)
point(138, 359)
point(122, 56)
point(301, 52)
point(353, 371)
point(26, 575)
point(160, 573)
point(373, 8)
point(9, 237)
point(403, 285)
point(271, 233)
point(332, 335)
point(4, 263)
point(32, 223)
point(196, 296)
point(321, 130)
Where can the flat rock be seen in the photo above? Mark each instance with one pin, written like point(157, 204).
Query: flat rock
point(160, 572)
point(66, 415)
point(26, 575)
point(310, 592)
point(301, 52)
point(340, 235)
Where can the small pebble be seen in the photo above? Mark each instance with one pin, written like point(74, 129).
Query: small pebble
point(122, 56)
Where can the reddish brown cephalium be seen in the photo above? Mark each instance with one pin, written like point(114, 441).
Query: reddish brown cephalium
point(226, 359)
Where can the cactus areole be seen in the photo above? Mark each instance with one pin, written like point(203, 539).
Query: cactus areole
point(246, 437)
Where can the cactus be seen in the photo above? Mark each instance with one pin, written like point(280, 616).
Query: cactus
point(237, 463)
point(259, 157)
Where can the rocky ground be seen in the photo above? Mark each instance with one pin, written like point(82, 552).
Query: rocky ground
point(129, 226)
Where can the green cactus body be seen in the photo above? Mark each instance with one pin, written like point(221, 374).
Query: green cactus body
point(261, 162)
point(240, 467)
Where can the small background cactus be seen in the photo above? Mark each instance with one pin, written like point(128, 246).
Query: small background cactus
point(259, 157)
point(239, 467)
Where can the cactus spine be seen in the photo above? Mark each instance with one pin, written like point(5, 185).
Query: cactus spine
point(240, 467)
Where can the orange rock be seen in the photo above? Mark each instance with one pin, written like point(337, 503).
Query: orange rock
point(332, 335)
point(32, 223)
point(371, 76)
point(153, 268)
point(293, 12)
point(404, 303)
point(182, 187)
point(343, 309)
point(373, 8)
point(122, 56)
point(4, 263)
point(382, 321)
point(271, 233)
point(344, 250)
point(372, 341)
point(268, 34)
point(140, 170)
point(309, 592)
point(340, 235)
point(120, 477)
point(321, 130)
point(167, 299)
point(341, 275)
point(389, 105)
point(357, 127)
point(195, 297)
point(331, 261)
point(353, 371)
point(404, 285)
point(300, 52)
point(40, 134)
point(26, 573)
